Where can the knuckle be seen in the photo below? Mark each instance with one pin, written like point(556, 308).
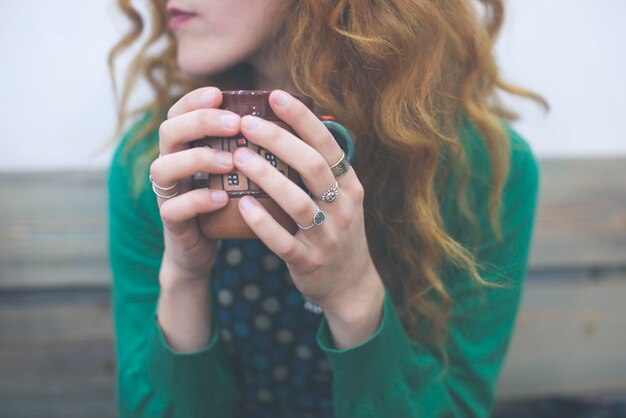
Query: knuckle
point(163, 131)
point(302, 209)
point(177, 106)
point(197, 158)
point(255, 220)
point(328, 144)
point(332, 240)
point(166, 212)
point(267, 135)
point(193, 199)
point(298, 110)
point(315, 261)
point(274, 132)
point(264, 168)
point(203, 118)
point(358, 194)
point(155, 169)
point(205, 155)
point(343, 220)
point(287, 250)
point(318, 166)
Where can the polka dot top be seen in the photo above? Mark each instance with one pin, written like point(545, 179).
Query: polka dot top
point(270, 335)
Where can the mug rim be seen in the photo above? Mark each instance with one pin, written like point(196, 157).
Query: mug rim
point(244, 92)
point(256, 102)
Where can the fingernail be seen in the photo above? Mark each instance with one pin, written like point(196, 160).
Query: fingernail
point(208, 97)
point(229, 121)
point(246, 203)
point(251, 122)
point(282, 99)
point(223, 157)
point(244, 155)
point(219, 196)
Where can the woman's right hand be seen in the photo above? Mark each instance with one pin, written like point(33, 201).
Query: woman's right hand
point(189, 254)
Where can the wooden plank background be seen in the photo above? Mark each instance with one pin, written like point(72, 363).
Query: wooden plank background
point(581, 221)
point(56, 355)
point(53, 230)
point(569, 339)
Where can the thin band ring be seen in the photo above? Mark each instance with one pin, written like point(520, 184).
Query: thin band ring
point(331, 194)
point(318, 219)
point(158, 190)
point(163, 189)
point(341, 167)
point(164, 196)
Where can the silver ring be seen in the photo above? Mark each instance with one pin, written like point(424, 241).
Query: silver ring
point(341, 167)
point(158, 190)
point(331, 194)
point(163, 189)
point(318, 218)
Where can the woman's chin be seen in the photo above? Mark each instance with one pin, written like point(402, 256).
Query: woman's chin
point(196, 70)
point(198, 66)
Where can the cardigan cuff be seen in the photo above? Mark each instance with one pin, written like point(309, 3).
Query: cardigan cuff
point(186, 377)
point(373, 367)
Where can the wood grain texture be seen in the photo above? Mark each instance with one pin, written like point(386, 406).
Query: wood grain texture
point(581, 219)
point(56, 358)
point(53, 229)
point(569, 339)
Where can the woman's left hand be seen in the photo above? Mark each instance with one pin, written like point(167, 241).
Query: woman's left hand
point(329, 263)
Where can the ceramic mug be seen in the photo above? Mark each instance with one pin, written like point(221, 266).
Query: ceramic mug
point(228, 222)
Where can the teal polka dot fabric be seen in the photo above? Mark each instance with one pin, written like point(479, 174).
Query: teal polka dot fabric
point(270, 335)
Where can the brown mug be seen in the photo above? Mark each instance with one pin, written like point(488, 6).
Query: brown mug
point(227, 223)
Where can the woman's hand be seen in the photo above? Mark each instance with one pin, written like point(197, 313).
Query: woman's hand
point(329, 263)
point(189, 254)
point(183, 310)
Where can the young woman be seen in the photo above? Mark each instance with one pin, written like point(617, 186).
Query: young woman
point(402, 302)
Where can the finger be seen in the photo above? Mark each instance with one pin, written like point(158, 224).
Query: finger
point(172, 167)
point(311, 166)
point(175, 134)
point(291, 198)
point(197, 99)
point(277, 238)
point(185, 207)
point(304, 122)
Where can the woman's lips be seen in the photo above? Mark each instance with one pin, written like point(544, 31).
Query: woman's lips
point(179, 17)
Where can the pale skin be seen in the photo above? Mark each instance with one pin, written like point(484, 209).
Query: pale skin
point(330, 263)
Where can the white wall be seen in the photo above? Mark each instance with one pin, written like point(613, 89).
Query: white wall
point(572, 52)
point(56, 106)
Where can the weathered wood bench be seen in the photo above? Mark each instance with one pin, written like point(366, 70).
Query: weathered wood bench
point(56, 344)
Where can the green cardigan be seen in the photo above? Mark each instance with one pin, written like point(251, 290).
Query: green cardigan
point(390, 374)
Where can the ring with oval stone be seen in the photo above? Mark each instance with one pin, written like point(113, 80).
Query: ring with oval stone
point(318, 219)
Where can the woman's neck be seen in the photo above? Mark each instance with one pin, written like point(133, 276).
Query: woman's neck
point(270, 72)
point(259, 72)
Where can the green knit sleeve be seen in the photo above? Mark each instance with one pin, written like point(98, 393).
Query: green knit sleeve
point(152, 379)
point(391, 375)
